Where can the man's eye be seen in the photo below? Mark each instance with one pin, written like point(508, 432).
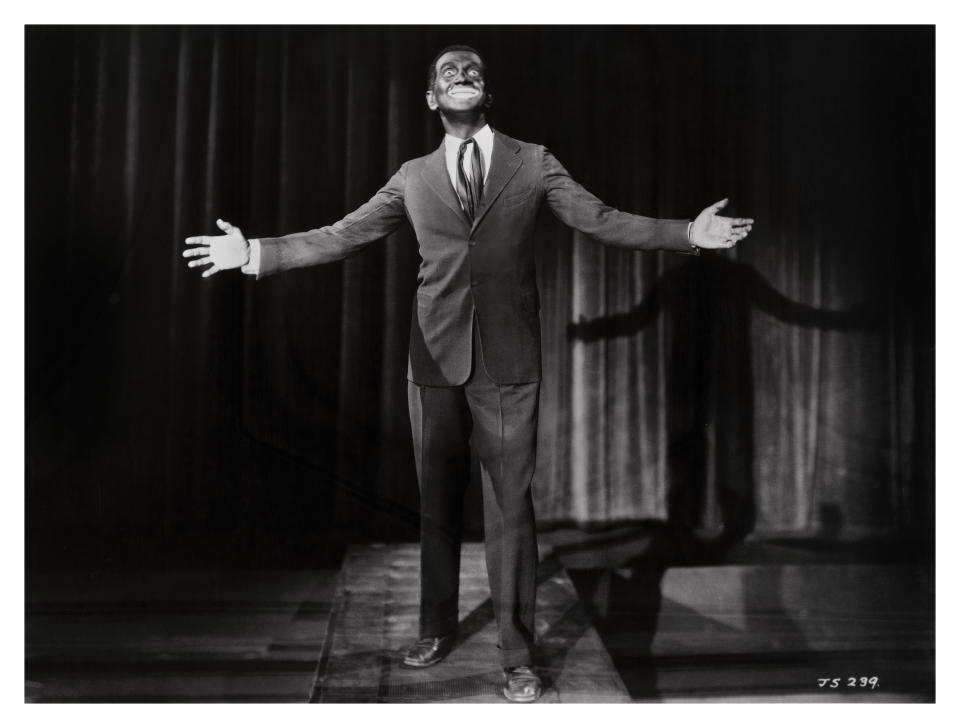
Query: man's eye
point(447, 72)
point(474, 73)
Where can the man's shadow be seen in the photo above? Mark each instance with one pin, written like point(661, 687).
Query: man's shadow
point(708, 303)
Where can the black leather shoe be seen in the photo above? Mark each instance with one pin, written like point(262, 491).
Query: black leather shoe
point(523, 685)
point(429, 651)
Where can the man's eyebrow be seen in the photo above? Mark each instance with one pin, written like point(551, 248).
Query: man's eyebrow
point(469, 64)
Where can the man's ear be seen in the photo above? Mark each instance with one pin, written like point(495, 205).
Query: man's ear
point(431, 101)
point(488, 101)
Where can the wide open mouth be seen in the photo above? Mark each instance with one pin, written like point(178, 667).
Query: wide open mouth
point(463, 92)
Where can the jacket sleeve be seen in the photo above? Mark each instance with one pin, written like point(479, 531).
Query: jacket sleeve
point(373, 220)
point(575, 206)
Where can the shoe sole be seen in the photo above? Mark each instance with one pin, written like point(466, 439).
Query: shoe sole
point(420, 665)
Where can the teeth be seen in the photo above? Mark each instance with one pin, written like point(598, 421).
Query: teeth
point(464, 92)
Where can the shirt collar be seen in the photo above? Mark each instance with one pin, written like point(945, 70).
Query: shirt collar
point(484, 138)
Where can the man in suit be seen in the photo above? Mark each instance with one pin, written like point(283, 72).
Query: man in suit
point(474, 363)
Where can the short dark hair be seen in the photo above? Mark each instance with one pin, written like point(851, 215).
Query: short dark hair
point(432, 71)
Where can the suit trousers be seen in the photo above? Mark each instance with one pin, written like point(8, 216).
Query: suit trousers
point(500, 423)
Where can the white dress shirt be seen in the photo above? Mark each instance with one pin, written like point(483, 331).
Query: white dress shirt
point(483, 139)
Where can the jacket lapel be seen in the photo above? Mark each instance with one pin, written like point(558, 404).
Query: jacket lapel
point(504, 164)
point(438, 179)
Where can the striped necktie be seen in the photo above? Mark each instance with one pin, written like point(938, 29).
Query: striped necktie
point(470, 189)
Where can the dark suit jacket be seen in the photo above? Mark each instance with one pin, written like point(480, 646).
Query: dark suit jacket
point(484, 269)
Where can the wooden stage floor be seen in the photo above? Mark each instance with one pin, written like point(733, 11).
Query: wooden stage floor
point(722, 633)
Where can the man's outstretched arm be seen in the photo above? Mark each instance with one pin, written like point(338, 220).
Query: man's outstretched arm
point(581, 210)
point(374, 220)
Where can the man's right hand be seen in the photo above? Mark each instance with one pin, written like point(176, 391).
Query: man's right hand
point(220, 252)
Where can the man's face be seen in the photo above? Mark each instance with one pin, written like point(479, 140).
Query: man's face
point(459, 86)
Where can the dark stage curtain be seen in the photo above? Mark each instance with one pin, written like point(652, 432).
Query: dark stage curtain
point(785, 387)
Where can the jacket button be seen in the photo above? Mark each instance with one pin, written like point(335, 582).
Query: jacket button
point(472, 243)
point(474, 283)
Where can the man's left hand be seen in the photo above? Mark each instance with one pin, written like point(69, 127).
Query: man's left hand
point(710, 230)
